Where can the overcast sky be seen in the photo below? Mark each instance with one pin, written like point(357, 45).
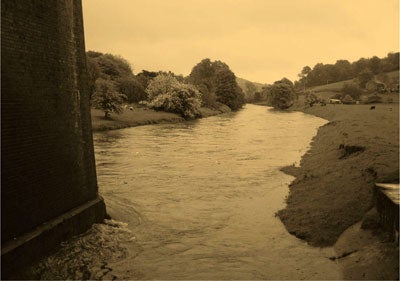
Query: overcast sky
point(261, 40)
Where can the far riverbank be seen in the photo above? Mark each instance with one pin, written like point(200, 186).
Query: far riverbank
point(332, 190)
point(139, 116)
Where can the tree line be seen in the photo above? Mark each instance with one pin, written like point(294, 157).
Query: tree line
point(210, 84)
point(366, 75)
point(322, 74)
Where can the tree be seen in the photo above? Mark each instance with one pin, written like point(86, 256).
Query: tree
point(285, 81)
point(281, 95)
point(359, 66)
point(257, 96)
point(374, 64)
point(311, 99)
point(303, 75)
point(145, 76)
point(217, 83)
point(391, 62)
point(93, 54)
point(344, 70)
point(305, 71)
point(93, 72)
point(132, 88)
point(364, 77)
point(228, 91)
point(166, 93)
point(318, 76)
point(107, 98)
point(250, 90)
point(203, 76)
point(384, 78)
point(352, 89)
point(113, 67)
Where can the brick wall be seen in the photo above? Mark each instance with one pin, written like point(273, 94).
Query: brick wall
point(47, 159)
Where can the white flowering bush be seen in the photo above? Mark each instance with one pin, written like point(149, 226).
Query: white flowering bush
point(166, 93)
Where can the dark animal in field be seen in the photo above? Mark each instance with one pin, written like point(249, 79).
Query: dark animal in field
point(323, 104)
point(372, 107)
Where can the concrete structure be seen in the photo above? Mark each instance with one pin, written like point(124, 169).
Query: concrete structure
point(387, 199)
point(48, 176)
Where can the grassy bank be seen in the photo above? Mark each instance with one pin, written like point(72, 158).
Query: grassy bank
point(333, 186)
point(142, 116)
point(331, 196)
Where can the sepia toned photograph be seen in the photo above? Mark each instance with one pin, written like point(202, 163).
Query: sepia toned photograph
point(200, 139)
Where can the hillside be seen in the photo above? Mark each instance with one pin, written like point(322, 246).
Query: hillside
point(337, 86)
point(242, 84)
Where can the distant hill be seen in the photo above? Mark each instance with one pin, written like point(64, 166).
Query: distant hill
point(242, 84)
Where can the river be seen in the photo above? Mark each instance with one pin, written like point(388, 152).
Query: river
point(200, 197)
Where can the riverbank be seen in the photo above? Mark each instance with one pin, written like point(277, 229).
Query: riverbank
point(332, 190)
point(140, 115)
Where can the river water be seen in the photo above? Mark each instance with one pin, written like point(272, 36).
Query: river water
point(200, 197)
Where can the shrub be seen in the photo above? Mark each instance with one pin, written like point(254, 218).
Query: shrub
point(311, 99)
point(337, 96)
point(281, 95)
point(374, 99)
point(168, 94)
point(352, 90)
point(348, 100)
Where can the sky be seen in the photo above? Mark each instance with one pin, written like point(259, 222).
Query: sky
point(261, 40)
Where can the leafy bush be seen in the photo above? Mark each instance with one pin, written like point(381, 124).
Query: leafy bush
point(352, 90)
point(348, 100)
point(168, 94)
point(107, 98)
point(281, 95)
point(311, 99)
point(337, 96)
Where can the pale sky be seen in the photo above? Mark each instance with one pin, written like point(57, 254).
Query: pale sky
point(261, 40)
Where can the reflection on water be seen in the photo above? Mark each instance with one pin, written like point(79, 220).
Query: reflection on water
point(201, 197)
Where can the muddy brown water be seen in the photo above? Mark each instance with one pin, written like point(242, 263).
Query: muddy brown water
point(200, 197)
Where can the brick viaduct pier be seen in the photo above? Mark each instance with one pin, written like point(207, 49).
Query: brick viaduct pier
point(48, 178)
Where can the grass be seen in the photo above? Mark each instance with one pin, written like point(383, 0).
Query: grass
point(141, 116)
point(131, 118)
point(331, 192)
